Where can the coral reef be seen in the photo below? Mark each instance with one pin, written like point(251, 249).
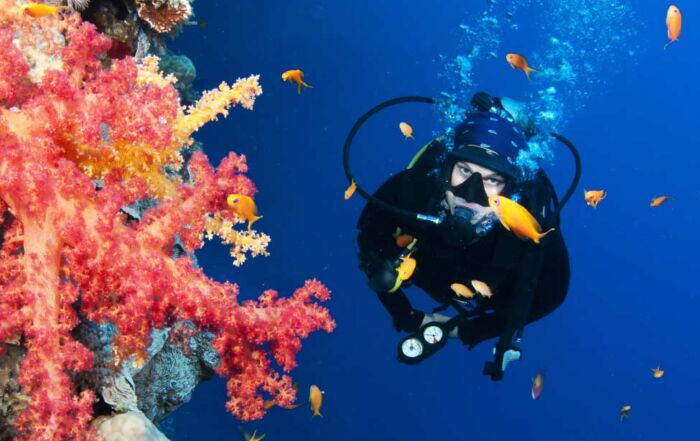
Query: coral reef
point(104, 202)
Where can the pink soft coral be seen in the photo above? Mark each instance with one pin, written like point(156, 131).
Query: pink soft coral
point(66, 241)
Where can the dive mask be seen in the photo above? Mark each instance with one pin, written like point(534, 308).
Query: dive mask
point(461, 228)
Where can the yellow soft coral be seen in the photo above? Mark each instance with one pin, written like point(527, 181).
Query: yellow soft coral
point(243, 241)
point(149, 73)
point(145, 162)
point(213, 103)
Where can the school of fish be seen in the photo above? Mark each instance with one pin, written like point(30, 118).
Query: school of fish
point(513, 216)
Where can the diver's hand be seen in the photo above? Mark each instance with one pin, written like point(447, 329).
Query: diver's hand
point(381, 272)
point(480, 212)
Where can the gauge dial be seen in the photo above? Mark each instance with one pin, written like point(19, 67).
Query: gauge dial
point(412, 348)
point(433, 334)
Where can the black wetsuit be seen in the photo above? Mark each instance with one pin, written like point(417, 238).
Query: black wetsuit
point(499, 258)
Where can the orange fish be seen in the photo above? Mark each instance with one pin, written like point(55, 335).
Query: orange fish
point(403, 240)
point(674, 21)
point(462, 290)
point(519, 62)
point(482, 288)
point(514, 217)
point(658, 372)
point(594, 196)
point(624, 412)
point(407, 266)
point(537, 386)
point(315, 398)
point(244, 207)
point(350, 190)
point(37, 10)
point(406, 130)
point(254, 437)
point(271, 403)
point(659, 200)
point(297, 76)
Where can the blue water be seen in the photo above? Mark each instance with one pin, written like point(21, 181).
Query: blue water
point(630, 107)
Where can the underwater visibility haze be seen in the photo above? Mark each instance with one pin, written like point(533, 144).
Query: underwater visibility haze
point(602, 78)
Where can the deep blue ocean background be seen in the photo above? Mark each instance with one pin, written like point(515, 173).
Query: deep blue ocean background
point(630, 107)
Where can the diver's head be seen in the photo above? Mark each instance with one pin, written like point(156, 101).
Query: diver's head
point(481, 164)
point(470, 183)
point(488, 140)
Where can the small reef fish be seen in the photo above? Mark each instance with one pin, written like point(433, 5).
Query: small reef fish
point(297, 76)
point(462, 290)
point(674, 23)
point(482, 288)
point(537, 386)
point(269, 404)
point(407, 266)
point(624, 412)
point(657, 372)
point(315, 399)
point(37, 10)
point(514, 217)
point(254, 437)
point(244, 207)
point(517, 61)
point(593, 197)
point(406, 130)
point(403, 240)
point(659, 200)
point(350, 190)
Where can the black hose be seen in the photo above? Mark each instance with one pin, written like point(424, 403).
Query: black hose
point(559, 205)
point(346, 157)
point(577, 174)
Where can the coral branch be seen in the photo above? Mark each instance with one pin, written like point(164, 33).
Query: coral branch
point(67, 247)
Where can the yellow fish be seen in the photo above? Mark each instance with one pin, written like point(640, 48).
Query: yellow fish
point(37, 10)
point(674, 23)
point(407, 266)
point(462, 290)
point(406, 130)
point(624, 411)
point(537, 386)
point(315, 398)
point(253, 437)
point(482, 288)
point(269, 404)
point(297, 76)
point(514, 217)
point(350, 190)
point(244, 207)
point(659, 200)
point(593, 197)
point(658, 372)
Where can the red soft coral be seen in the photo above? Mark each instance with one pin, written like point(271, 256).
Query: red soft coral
point(64, 240)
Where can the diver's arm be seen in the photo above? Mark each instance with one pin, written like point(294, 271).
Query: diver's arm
point(377, 252)
point(376, 225)
point(404, 317)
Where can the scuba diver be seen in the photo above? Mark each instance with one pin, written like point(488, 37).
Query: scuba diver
point(437, 212)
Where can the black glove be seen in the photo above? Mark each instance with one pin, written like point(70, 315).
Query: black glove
point(380, 272)
point(382, 277)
